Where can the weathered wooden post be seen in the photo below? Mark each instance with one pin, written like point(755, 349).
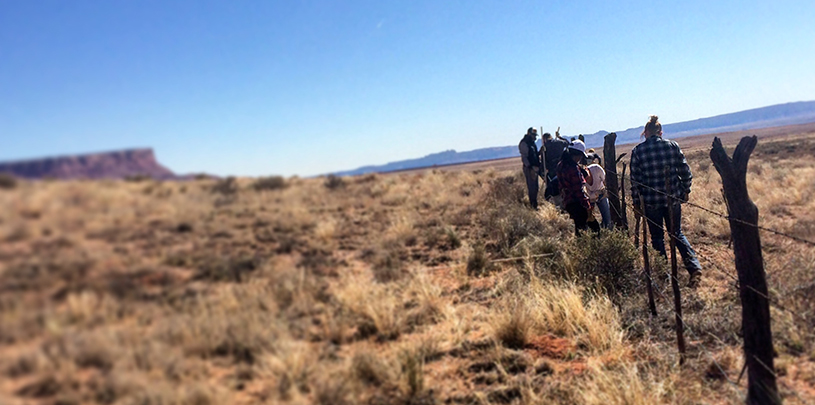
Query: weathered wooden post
point(755, 307)
point(623, 212)
point(646, 263)
point(680, 325)
point(610, 159)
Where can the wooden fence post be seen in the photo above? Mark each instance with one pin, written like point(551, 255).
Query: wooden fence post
point(623, 212)
point(646, 263)
point(680, 325)
point(610, 163)
point(755, 307)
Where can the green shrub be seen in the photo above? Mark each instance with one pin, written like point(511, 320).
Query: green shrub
point(137, 178)
point(333, 182)
point(227, 186)
point(608, 262)
point(270, 183)
point(478, 264)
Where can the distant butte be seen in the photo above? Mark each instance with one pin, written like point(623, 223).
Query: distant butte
point(107, 165)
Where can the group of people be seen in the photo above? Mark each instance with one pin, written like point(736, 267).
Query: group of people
point(576, 181)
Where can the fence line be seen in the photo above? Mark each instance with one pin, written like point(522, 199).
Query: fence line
point(718, 214)
point(773, 302)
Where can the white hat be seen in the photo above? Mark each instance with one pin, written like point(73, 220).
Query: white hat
point(578, 146)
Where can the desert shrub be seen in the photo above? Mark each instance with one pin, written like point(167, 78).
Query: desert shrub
point(507, 190)
point(608, 262)
point(7, 181)
point(137, 178)
point(370, 369)
point(412, 363)
point(226, 268)
point(443, 238)
point(227, 186)
point(512, 223)
point(333, 182)
point(513, 325)
point(478, 263)
point(563, 309)
point(269, 183)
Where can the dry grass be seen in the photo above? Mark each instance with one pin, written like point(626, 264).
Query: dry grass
point(378, 289)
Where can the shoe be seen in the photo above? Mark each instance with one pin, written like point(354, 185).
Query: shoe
point(695, 277)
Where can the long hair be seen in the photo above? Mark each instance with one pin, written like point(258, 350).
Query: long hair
point(652, 127)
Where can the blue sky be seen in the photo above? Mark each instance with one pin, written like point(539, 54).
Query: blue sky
point(307, 87)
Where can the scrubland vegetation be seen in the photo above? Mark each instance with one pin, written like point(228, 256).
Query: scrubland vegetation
point(380, 289)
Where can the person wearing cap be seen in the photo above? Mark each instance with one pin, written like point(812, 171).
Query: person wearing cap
point(531, 164)
point(572, 181)
point(649, 160)
point(596, 187)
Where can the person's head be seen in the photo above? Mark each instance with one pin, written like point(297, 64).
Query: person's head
point(547, 136)
point(532, 132)
point(594, 158)
point(652, 127)
point(577, 150)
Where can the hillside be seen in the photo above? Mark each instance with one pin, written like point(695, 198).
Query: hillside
point(765, 117)
point(117, 165)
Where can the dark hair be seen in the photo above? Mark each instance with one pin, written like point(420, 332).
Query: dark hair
point(653, 127)
point(529, 131)
point(547, 135)
point(566, 157)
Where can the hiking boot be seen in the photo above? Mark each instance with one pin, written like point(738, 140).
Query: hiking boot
point(695, 277)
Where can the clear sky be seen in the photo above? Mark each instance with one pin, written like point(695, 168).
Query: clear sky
point(306, 87)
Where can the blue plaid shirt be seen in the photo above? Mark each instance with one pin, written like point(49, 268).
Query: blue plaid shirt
point(648, 162)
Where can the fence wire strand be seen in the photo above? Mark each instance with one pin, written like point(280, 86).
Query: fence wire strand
point(771, 301)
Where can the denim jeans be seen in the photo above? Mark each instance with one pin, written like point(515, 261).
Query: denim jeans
point(580, 216)
point(532, 186)
point(658, 220)
point(605, 211)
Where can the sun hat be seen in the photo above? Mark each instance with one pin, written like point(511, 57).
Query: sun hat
point(578, 146)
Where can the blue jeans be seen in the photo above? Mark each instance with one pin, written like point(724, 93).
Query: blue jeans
point(659, 216)
point(605, 211)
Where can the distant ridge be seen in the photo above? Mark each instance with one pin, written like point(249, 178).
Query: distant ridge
point(802, 112)
point(116, 164)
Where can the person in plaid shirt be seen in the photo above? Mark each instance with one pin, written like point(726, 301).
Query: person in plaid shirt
point(648, 162)
point(572, 184)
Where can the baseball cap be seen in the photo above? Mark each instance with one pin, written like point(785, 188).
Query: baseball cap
point(578, 146)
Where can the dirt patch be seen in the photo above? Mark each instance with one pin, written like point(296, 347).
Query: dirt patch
point(549, 346)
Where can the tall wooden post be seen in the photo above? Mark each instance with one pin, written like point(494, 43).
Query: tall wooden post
point(755, 308)
point(646, 263)
point(680, 325)
point(623, 212)
point(610, 163)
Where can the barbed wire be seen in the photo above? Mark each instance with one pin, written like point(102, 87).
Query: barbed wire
point(718, 214)
point(769, 299)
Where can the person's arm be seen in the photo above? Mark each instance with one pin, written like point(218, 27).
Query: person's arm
point(589, 177)
point(524, 151)
point(636, 177)
point(584, 200)
point(684, 173)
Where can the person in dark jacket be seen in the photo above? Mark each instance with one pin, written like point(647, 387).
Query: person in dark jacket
point(649, 160)
point(531, 164)
point(572, 181)
point(551, 152)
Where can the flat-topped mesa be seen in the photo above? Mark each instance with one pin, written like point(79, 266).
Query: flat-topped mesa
point(116, 164)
